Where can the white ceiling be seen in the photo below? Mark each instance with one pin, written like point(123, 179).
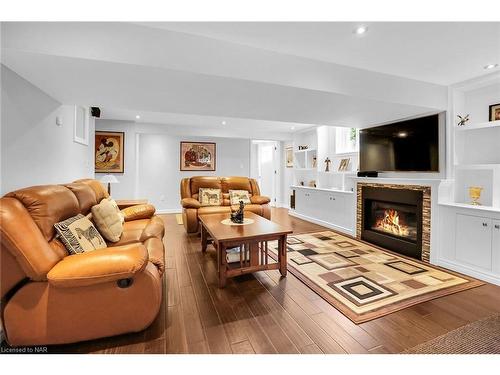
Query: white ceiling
point(438, 52)
point(251, 75)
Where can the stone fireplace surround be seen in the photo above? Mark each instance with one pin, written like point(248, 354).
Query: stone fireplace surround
point(426, 211)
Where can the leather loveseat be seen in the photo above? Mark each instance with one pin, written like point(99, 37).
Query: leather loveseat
point(191, 207)
point(49, 297)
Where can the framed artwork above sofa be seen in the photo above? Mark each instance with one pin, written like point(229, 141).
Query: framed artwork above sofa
point(197, 156)
point(109, 152)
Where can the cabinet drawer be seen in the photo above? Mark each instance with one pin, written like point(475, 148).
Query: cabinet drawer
point(474, 241)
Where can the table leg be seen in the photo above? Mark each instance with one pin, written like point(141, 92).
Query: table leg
point(204, 238)
point(282, 255)
point(221, 261)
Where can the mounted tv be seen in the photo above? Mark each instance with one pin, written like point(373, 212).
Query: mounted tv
point(405, 146)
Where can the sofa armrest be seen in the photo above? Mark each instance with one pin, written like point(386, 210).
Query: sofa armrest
point(190, 203)
point(99, 266)
point(259, 199)
point(140, 211)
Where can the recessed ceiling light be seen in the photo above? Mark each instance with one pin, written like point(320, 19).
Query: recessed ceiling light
point(137, 117)
point(403, 134)
point(490, 66)
point(292, 128)
point(223, 123)
point(360, 30)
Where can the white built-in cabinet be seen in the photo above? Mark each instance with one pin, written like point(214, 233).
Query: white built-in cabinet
point(470, 241)
point(331, 208)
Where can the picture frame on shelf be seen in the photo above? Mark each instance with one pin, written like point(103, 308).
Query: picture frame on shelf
point(344, 164)
point(494, 113)
point(289, 157)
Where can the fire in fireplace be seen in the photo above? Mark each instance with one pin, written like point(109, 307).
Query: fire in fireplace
point(395, 220)
point(392, 218)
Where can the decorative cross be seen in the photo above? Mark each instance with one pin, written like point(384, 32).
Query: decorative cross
point(327, 161)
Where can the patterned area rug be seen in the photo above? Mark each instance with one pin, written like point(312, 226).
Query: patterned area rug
point(365, 282)
point(481, 337)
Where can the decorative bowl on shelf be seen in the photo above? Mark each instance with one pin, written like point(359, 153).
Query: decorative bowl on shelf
point(475, 194)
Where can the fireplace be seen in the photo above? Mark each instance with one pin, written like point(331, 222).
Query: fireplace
point(393, 219)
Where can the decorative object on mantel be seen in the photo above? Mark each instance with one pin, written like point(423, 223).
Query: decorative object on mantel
point(109, 179)
point(475, 195)
point(301, 183)
point(495, 112)
point(344, 163)
point(237, 216)
point(289, 157)
point(363, 281)
point(109, 152)
point(327, 162)
point(312, 183)
point(463, 119)
point(303, 147)
point(315, 162)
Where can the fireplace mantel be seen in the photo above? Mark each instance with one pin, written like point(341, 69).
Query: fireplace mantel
point(430, 239)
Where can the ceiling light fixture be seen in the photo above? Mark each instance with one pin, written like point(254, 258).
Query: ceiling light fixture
point(292, 128)
point(490, 66)
point(223, 123)
point(403, 134)
point(360, 30)
point(137, 117)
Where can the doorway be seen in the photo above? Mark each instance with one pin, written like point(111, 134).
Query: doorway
point(264, 164)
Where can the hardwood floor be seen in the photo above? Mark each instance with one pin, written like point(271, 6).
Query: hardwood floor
point(263, 313)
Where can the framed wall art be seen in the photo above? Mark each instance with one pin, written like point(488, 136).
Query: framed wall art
point(495, 112)
point(109, 152)
point(198, 156)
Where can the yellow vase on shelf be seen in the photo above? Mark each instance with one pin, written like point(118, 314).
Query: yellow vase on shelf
point(475, 194)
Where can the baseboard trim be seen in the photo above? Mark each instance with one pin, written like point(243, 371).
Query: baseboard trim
point(488, 277)
point(169, 211)
point(323, 223)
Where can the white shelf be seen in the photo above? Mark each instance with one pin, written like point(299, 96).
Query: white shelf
point(481, 125)
point(306, 150)
point(322, 189)
point(305, 169)
point(470, 206)
point(338, 172)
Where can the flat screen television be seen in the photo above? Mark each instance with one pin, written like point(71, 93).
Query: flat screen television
point(405, 146)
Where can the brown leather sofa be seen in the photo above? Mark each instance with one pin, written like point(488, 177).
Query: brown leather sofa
point(191, 207)
point(49, 297)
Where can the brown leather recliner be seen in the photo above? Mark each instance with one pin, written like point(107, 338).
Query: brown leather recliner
point(191, 207)
point(49, 297)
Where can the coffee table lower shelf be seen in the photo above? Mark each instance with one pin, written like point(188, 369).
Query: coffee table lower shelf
point(253, 254)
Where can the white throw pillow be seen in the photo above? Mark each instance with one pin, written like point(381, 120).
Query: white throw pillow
point(107, 220)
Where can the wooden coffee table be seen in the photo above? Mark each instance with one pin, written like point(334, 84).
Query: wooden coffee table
point(251, 238)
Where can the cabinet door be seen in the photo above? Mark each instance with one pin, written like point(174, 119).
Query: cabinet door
point(300, 201)
point(495, 246)
point(336, 210)
point(473, 240)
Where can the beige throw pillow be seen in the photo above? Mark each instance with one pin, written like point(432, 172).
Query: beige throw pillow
point(79, 235)
point(235, 196)
point(210, 197)
point(115, 205)
point(108, 220)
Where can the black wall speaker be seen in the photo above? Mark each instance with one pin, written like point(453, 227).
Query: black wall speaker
point(95, 111)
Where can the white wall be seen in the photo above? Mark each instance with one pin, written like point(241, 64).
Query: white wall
point(159, 172)
point(477, 102)
point(34, 150)
point(152, 160)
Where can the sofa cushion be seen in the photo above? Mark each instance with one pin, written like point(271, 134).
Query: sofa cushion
point(235, 196)
point(210, 197)
point(236, 183)
point(108, 220)
point(79, 235)
point(139, 211)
